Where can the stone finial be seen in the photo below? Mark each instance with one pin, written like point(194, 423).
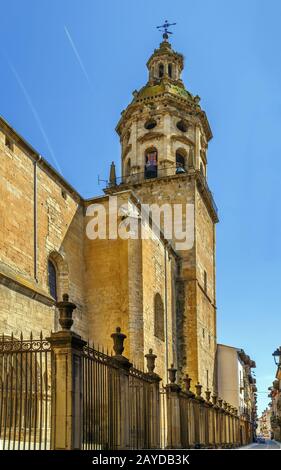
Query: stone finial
point(225, 405)
point(214, 399)
point(150, 359)
point(220, 402)
point(118, 341)
point(187, 382)
point(198, 388)
point(112, 174)
point(65, 312)
point(208, 395)
point(172, 374)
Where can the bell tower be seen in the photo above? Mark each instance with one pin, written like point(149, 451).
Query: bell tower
point(164, 137)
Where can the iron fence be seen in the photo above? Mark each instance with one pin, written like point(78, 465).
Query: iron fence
point(25, 393)
point(112, 397)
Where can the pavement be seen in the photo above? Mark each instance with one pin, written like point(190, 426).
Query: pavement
point(269, 445)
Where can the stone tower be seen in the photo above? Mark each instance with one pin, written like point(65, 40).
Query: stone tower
point(164, 137)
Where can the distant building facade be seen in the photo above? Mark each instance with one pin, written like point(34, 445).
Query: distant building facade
point(264, 424)
point(275, 404)
point(236, 383)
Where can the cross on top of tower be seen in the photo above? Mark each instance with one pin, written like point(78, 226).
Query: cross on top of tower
point(164, 29)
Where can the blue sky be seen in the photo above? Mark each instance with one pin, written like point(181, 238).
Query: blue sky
point(68, 68)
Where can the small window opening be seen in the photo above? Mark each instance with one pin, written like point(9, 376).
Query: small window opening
point(182, 126)
point(170, 70)
point(161, 71)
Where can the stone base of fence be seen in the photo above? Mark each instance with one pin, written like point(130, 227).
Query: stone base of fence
point(97, 401)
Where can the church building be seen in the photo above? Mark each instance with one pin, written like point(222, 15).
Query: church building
point(162, 297)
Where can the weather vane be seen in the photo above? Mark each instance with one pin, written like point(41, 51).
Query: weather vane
point(164, 28)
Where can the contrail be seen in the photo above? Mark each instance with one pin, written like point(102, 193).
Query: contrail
point(35, 114)
point(77, 55)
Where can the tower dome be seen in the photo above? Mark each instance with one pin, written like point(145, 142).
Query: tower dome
point(163, 131)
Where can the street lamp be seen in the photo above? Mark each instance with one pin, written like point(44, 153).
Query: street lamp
point(277, 354)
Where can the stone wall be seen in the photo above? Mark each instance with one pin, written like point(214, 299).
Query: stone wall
point(196, 312)
point(59, 225)
point(122, 278)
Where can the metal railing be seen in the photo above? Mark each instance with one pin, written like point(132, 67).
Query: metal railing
point(25, 393)
point(143, 175)
point(172, 170)
point(109, 395)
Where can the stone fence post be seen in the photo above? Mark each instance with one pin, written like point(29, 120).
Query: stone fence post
point(154, 402)
point(67, 383)
point(191, 412)
point(201, 421)
point(121, 397)
point(173, 411)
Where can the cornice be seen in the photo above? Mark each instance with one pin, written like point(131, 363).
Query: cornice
point(182, 138)
point(35, 156)
point(150, 135)
point(167, 99)
point(18, 283)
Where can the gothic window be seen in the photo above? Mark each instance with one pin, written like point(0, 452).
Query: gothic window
point(150, 124)
point(52, 278)
point(182, 126)
point(159, 328)
point(150, 168)
point(161, 71)
point(180, 162)
point(170, 70)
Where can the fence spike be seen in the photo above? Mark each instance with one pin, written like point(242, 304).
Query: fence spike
point(21, 336)
point(41, 335)
point(31, 336)
point(12, 336)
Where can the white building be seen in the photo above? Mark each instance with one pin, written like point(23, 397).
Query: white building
point(236, 384)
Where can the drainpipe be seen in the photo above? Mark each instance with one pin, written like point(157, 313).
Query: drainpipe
point(166, 315)
point(35, 232)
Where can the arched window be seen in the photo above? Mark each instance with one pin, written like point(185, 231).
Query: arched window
point(150, 168)
point(161, 70)
point(170, 70)
point(159, 329)
point(180, 162)
point(150, 124)
point(52, 279)
point(182, 126)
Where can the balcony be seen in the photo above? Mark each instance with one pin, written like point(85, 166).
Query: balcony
point(169, 171)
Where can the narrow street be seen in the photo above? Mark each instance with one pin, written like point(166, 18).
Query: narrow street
point(269, 445)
